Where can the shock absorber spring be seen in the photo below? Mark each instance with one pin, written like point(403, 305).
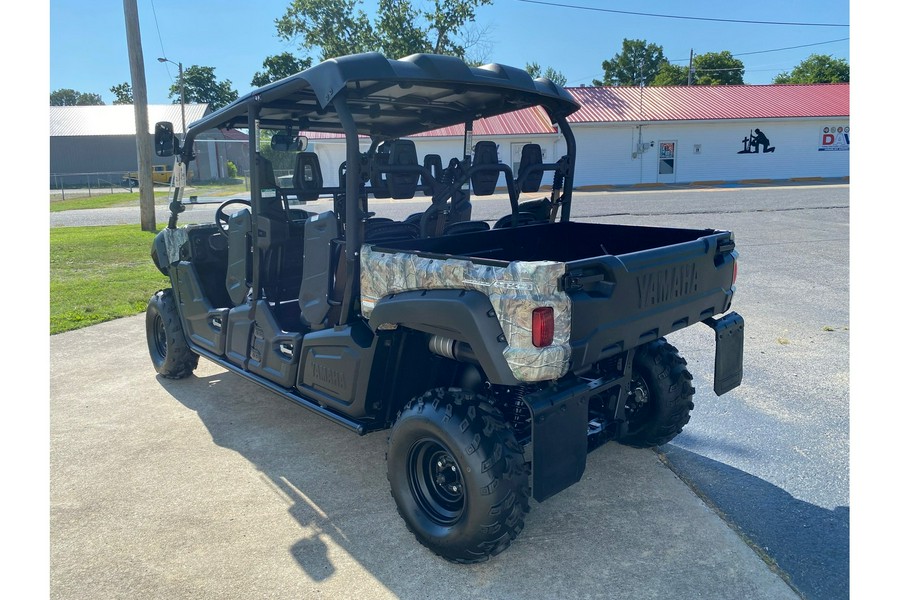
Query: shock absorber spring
point(520, 416)
point(558, 178)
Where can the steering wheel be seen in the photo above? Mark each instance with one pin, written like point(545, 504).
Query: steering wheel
point(222, 217)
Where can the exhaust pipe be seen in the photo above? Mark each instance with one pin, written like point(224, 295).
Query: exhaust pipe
point(453, 349)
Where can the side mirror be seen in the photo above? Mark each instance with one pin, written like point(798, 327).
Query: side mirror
point(287, 142)
point(164, 140)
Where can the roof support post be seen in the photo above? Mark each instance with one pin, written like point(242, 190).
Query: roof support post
point(255, 201)
point(352, 205)
point(468, 142)
point(570, 168)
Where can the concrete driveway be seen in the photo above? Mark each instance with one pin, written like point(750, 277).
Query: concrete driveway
point(209, 487)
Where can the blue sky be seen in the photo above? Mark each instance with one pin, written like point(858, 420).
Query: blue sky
point(88, 52)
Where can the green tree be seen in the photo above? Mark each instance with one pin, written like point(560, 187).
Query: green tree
point(403, 40)
point(670, 74)
point(818, 68)
point(534, 69)
point(330, 28)
point(70, 97)
point(278, 67)
point(200, 85)
point(712, 68)
point(718, 68)
point(445, 26)
point(123, 93)
point(639, 62)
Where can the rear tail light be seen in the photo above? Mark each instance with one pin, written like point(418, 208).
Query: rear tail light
point(542, 327)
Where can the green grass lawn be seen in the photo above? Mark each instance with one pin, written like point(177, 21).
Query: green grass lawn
point(76, 201)
point(57, 204)
point(100, 273)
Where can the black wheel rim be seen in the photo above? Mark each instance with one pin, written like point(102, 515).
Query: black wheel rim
point(436, 481)
point(159, 336)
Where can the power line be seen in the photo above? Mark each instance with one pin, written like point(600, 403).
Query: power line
point(792, 47)
point(776, 49)
point(159, 35)
point(746, 70)
point(723, 69)
point(741, 54)
point(661, 16)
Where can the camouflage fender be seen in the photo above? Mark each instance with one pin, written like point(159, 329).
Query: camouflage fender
point(175, 239)
point(514, 291)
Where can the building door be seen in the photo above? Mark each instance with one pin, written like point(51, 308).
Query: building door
point(665, 172)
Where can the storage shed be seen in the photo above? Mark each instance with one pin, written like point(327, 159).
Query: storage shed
point(91, 142)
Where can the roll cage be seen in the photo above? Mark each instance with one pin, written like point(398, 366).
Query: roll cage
point(385, 100)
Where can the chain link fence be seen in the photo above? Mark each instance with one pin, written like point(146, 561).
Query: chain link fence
point(215, 162)
point(86, 185)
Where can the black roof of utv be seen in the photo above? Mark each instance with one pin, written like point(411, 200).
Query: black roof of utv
point(393, 98)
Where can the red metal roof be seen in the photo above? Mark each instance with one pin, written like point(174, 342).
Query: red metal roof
point(712, 102)
point(530, 120)
point(675, 103)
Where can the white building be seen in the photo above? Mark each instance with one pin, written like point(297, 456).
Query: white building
point(711, 133)
point(630, 135)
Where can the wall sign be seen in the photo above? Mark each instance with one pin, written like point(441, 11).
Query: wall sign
point(835, 139)
point(755, 141)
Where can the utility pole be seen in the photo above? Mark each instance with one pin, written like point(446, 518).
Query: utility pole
point(141, 119)
point(691, 68)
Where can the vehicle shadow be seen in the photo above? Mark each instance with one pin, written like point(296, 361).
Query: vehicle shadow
point(809, 544)
point(333, 485)
point(302, 456)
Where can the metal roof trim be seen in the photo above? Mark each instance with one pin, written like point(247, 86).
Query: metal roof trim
point(115, 119)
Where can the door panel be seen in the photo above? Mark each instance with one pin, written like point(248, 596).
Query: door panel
point(666, 162)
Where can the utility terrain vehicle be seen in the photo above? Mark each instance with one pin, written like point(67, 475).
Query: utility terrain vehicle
point(497, 355)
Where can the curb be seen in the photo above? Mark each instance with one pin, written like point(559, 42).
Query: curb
point(596, 188)
point(708, 183)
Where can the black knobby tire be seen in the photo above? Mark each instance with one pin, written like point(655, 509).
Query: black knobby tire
point(169, 350)
point(458, 475)
point(661, 398)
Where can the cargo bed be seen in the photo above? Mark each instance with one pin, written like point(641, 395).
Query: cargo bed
point(625, 285)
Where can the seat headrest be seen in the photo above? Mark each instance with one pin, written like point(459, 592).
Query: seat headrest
point(307, 176)
point(378, 181)
point(485, 182)
point(403, 185)
point(531, 155)
point(435, 166)
point(266, 174)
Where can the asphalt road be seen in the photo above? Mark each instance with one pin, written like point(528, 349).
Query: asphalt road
point(771, 457)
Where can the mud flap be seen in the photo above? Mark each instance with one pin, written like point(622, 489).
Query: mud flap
point(559, 436)
point(729, 351)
